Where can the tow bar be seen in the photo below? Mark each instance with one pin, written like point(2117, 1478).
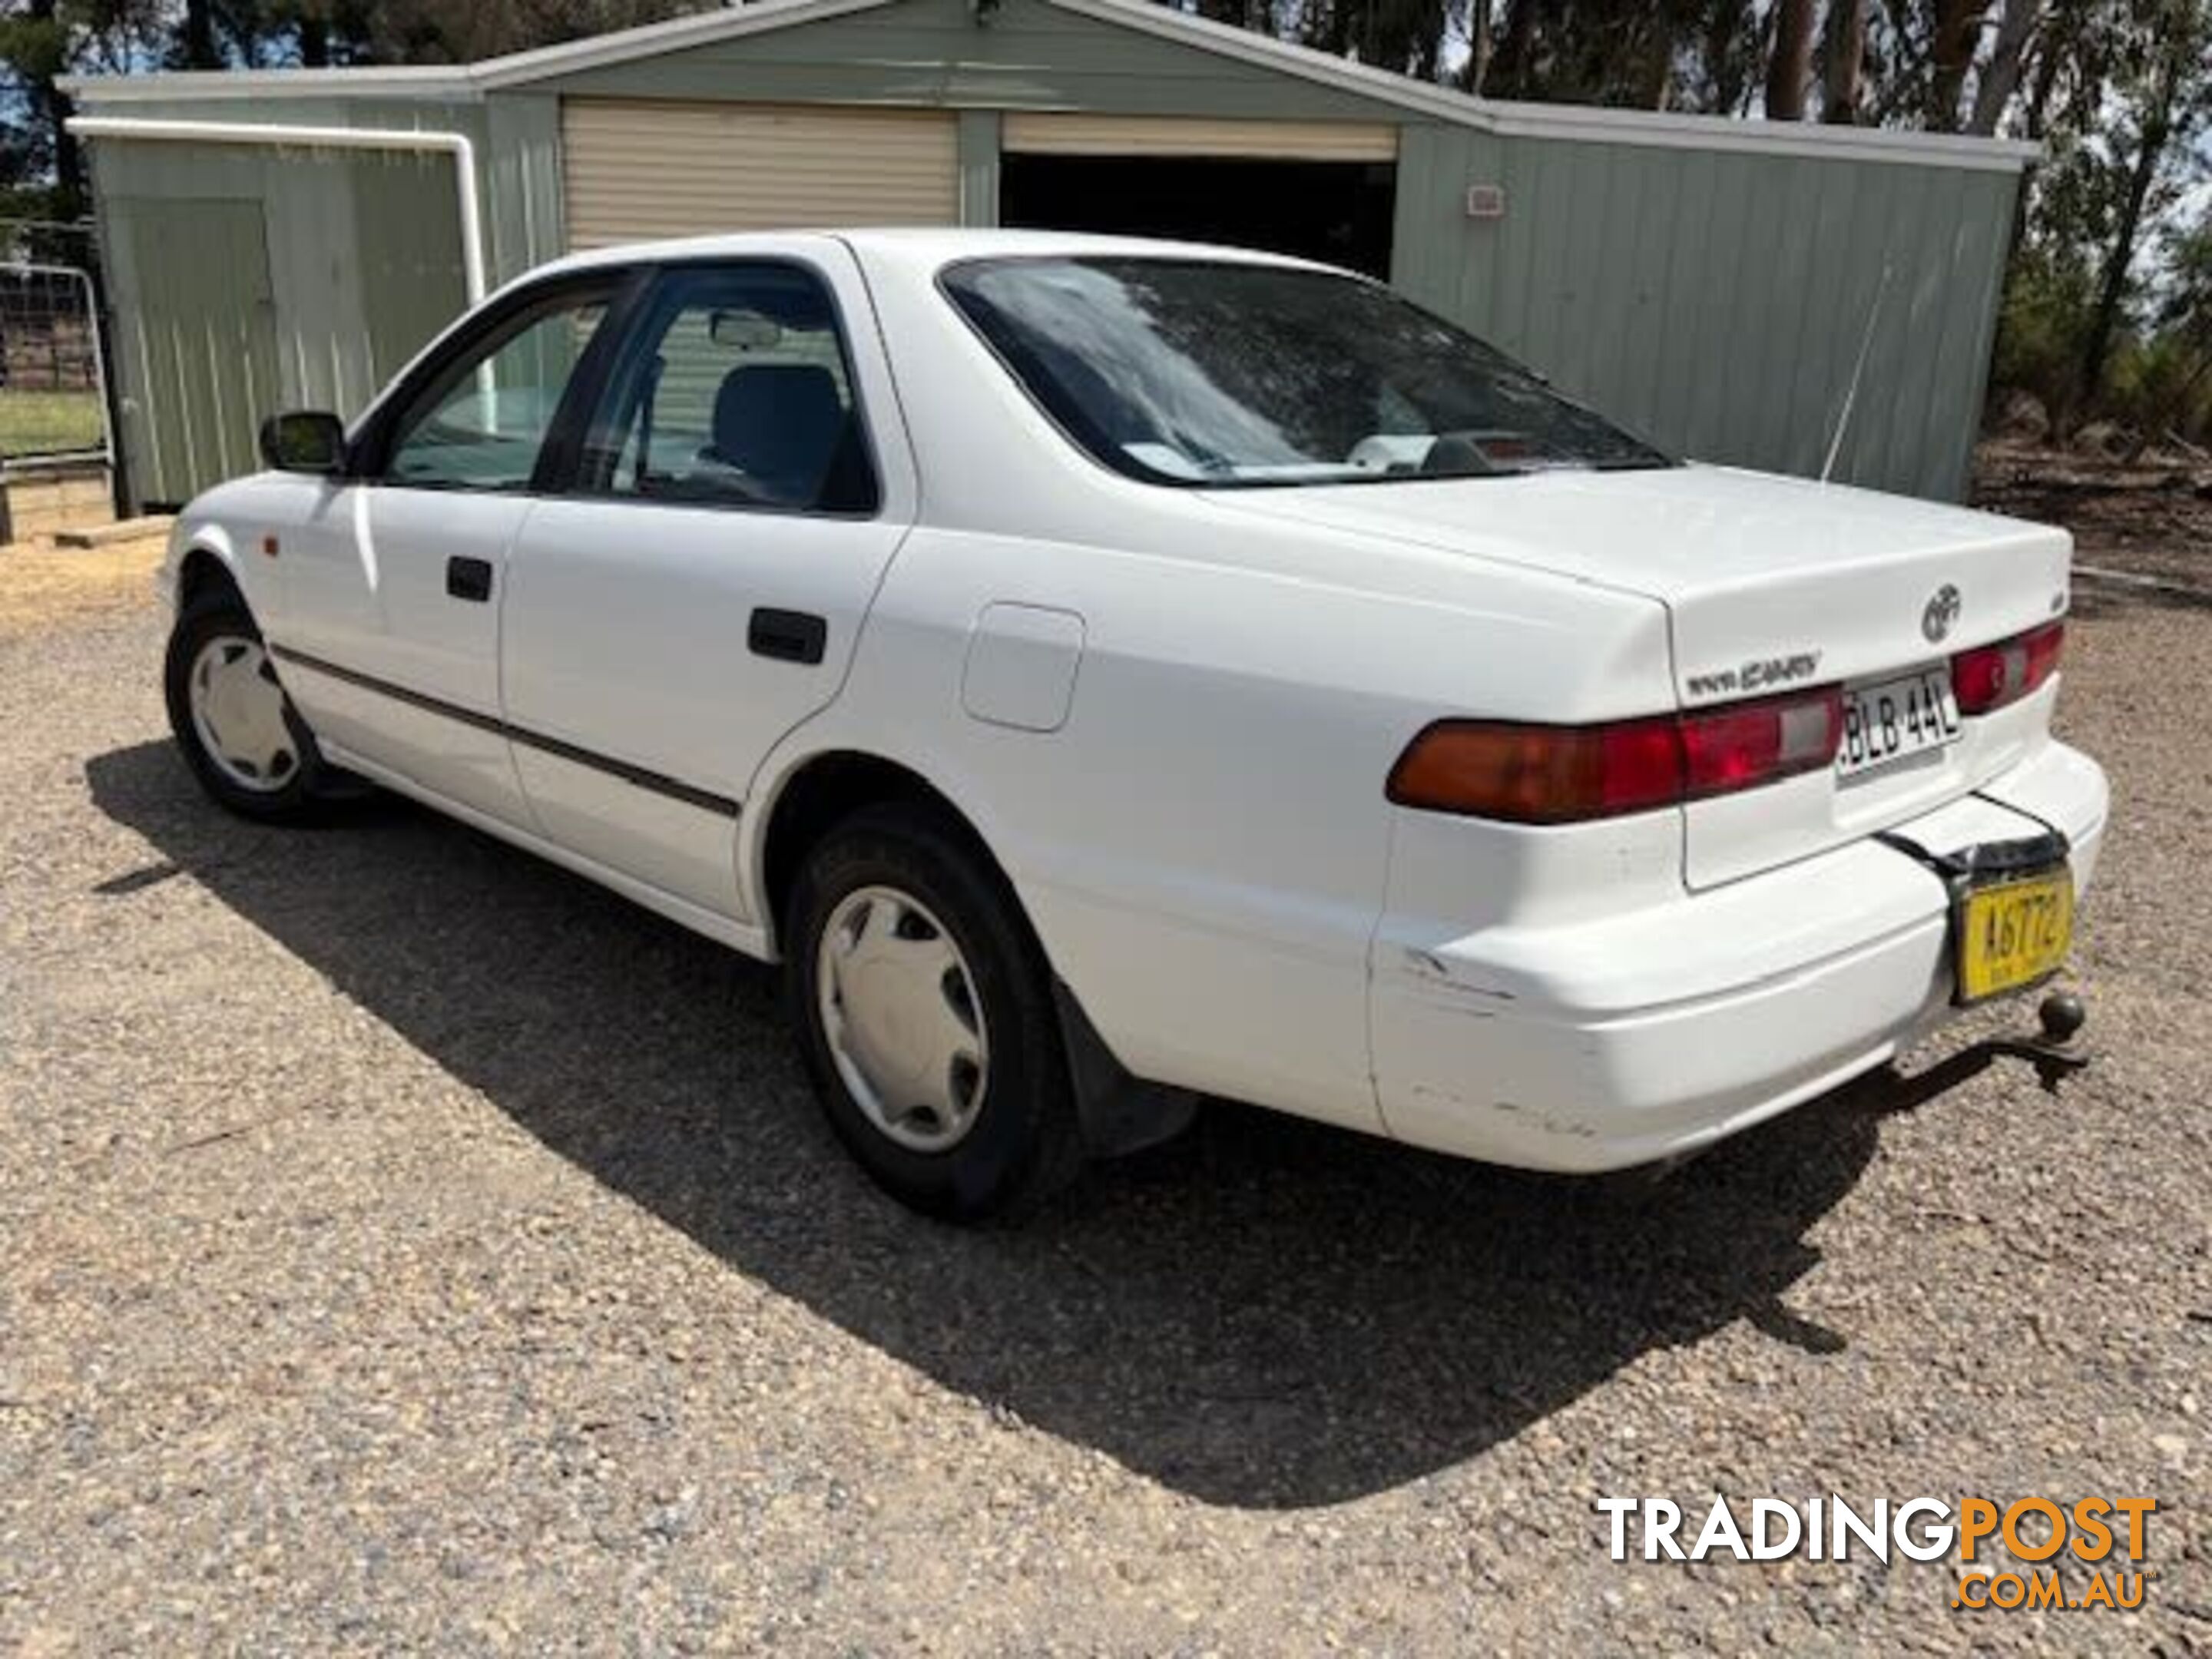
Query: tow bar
point(2061, 1013)
point(2054, 1054)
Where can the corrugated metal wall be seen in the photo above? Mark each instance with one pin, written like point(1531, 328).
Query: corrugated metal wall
point(358, 265)
point(201, 346)
point(1717, 302)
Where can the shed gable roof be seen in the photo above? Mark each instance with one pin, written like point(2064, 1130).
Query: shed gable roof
point(547, 68)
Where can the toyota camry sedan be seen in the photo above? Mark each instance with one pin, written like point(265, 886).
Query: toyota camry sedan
point(1105, 673)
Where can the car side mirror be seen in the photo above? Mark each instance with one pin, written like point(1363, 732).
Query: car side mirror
point(304, 441)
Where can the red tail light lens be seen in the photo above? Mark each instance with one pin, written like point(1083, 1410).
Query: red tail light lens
point(1990, 676)
point(1523, 772)
point(1749, 743)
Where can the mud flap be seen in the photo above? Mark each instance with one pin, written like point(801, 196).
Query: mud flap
point(1119, 1113)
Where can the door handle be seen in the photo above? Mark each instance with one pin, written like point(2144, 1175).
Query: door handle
point(787, 635)
point(468, 579)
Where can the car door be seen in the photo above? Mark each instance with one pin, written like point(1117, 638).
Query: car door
point(696, 589)
point(391, 645)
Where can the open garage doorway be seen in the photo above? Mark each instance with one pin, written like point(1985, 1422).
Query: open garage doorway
point(1322, 191)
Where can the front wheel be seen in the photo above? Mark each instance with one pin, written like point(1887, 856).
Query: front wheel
point(925, 1008)
point(245, 742)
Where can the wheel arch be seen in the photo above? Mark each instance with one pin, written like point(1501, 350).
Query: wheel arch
point(812, 795)
point(200, 571)
point(1118, 1111)
point(204, 559)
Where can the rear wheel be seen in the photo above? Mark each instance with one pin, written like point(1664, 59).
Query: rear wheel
point(925, 1008)
point(245, 742)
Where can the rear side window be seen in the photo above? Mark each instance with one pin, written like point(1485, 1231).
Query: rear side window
point(733, 389)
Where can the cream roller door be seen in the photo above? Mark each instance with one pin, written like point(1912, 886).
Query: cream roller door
point(1150, 135)
point(635, 169)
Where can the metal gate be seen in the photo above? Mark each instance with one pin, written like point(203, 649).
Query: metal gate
point(56, 453)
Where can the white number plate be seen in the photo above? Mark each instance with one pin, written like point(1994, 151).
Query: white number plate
point(1891, 720)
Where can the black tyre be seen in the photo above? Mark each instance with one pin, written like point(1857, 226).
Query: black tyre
point(925, 1007)
point(245, 742)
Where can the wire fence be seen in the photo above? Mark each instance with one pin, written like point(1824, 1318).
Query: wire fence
point(57, 452)
point(52, 384)
point(53, 403)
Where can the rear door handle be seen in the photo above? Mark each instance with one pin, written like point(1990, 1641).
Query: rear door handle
point(787, 635)
point(468, 579)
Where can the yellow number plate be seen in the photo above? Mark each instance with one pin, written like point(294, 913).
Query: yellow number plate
point(2013, 934)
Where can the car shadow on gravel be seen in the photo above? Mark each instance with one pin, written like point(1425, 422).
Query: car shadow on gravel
point(1263, 1313)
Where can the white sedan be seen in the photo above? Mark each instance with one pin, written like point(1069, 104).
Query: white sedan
point(1107, 673)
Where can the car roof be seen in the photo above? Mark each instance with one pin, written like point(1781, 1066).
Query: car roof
point(923, 246)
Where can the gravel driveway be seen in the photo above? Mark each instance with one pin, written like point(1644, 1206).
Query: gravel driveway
point(408, 1247)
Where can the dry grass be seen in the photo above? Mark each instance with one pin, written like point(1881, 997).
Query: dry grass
point(40, 584)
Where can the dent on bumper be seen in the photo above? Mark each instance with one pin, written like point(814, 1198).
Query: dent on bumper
point(1612, 1042)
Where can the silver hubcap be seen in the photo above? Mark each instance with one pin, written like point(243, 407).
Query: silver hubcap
point(238, 709)
point(904, 1025)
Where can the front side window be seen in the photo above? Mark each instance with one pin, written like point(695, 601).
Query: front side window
point(480, 423)
point(733, 389)
point(1211, 372)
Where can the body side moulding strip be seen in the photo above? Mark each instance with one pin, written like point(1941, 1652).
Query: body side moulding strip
point(659, 783)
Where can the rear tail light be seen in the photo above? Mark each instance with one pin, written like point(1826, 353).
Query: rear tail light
point(1990, 676)
point(1528, 773)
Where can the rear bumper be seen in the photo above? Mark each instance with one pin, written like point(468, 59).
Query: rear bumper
point(1616, 1040)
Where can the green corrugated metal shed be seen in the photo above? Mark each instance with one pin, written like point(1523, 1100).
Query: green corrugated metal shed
point(1711, 283)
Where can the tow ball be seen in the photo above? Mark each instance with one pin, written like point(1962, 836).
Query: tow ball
point(2054, 1053)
